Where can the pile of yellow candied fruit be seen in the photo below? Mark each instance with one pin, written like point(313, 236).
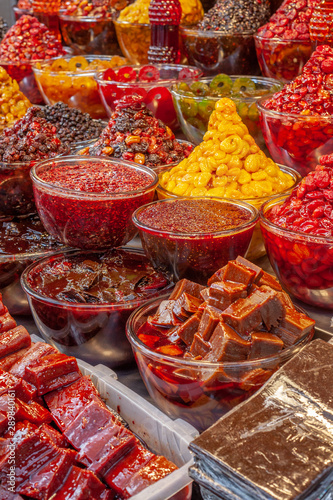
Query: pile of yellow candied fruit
point(137, 12)
point(78, 64)
point(13, 104)
point(228, 163)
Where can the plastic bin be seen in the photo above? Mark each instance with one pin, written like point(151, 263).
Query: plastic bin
point(161, 434)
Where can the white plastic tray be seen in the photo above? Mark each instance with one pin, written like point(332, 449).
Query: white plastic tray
point(161, 434)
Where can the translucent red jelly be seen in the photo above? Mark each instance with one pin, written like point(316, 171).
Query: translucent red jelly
point(192, 238)
point(88, 203)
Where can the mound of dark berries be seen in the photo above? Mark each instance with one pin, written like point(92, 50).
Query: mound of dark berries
point(134, 134)
point(29, 40)
point(72, 125)
point(29, 139)
point(290, 21)
point(229, 16)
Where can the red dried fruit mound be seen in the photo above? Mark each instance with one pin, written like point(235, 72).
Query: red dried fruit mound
point(290, 21)
point(29, 139)
point(29, 40)
point(134, 134)
point(309, 208)
point(311, 92)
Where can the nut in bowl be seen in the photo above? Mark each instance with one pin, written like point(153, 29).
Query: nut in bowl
point(193, 237)
point(71, 80)
point(220, 52)
point(83, 310)
point(87, 202)
point(216, 357)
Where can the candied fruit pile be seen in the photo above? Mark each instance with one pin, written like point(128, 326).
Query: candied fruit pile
point(31, 138)
point(290, 21)
point(309, 208)
point(228, 163)
point(310, 93)
point(134, 134)
point(13, 104)
point(137, 12)
point(77, 64)
point(91, 8)
point(236, 17)
point(29, 40)
point(25, 4)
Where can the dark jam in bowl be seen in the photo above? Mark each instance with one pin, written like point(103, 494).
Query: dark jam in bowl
point(81, 300)
point(193, 237)
point(88, 202)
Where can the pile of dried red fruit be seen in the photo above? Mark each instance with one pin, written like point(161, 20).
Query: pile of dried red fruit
point(309, 208)
point(30, 139)
point(91, 8)
point(69, 442)
point(134, 134)
point(29, 40)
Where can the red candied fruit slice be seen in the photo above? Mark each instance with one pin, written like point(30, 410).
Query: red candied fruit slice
point(159, 101)
point(3, 427)
point(9, 361)
point(81, 485)
point(14, 340)
point(31, 358)
point(56, 437)
point(110, 75)
point(149, 74)
point(186, 73)
point(170, 350)
point(126, 74)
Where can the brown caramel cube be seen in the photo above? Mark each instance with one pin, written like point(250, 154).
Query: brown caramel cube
point(187, 286)
point(187, 330)
point(164, 315)
point(293, 326)
point(271, 308)
point(285, 299)
point(269, 280)
point(217, 276)
point(199, 347)
point(264, 344)
point(186, 305)
point(227, 345)
point(243, 315)
point(250, 265)
point(205, 294)
point(239, 274)
point(209, 320)
point(227, 292)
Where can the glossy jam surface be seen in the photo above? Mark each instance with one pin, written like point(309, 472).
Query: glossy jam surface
point(98, 278)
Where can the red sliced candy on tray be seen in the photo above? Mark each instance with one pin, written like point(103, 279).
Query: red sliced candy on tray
point(81, 485)
point(14, 340)
point(31, 358)
point(6, 322)
point(126, 74)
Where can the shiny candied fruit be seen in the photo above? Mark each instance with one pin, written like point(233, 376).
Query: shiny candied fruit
point(303, 130)
point(134, 134)
point(144, 81)
point(304, 264)
point(283, 44)
point(88, 8)
point(87, 220)
point(189, 237)
point(14, 104)
point(137, 12)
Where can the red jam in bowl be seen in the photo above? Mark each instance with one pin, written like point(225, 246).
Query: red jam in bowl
point(88, 202)
point(193, 237)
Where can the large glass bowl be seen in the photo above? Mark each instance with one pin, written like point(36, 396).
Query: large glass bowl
point(134, 40)
point(297, 141)
point(92, 332)
point(89, 220)
point(302, 262)
point(282, 59)
point(194, 255)
point(218, 52)
point(193, 111)
point(77, 89)
point(198, 391)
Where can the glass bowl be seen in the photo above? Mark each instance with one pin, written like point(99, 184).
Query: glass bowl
point(156, 94)
point(94, 332)
point(199, 391)
point(257, 246)
point(89, 35)
point(282, 59)
point(297, 141)
point(18, 12)
point(78, 89)
point(91, 220)
point(218, 52)
point(194, 255)
point(302, 262)
point(134, 40)
point(193, 111)
point(23, 240)
point(22, 72)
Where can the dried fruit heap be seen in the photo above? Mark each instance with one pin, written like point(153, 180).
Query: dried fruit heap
point(309, 208)
point(290, 21)
point(29, 139)
point(13, 104)
point(236, 17)
point(137, 12)
point(134, 134)
point(228, 163)
point(29, 40)
point(91, 8)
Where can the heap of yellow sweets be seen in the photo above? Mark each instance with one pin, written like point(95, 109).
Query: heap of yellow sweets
point(13, 104)
point(228, 163)
point(137, 12)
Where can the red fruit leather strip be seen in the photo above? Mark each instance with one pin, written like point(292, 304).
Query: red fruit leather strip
point(6, 322)
point(31, 358)
point(14, 340)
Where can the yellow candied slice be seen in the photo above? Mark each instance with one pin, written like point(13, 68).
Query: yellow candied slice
point(77, 63)
point(59, 65)
point(228, 162)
